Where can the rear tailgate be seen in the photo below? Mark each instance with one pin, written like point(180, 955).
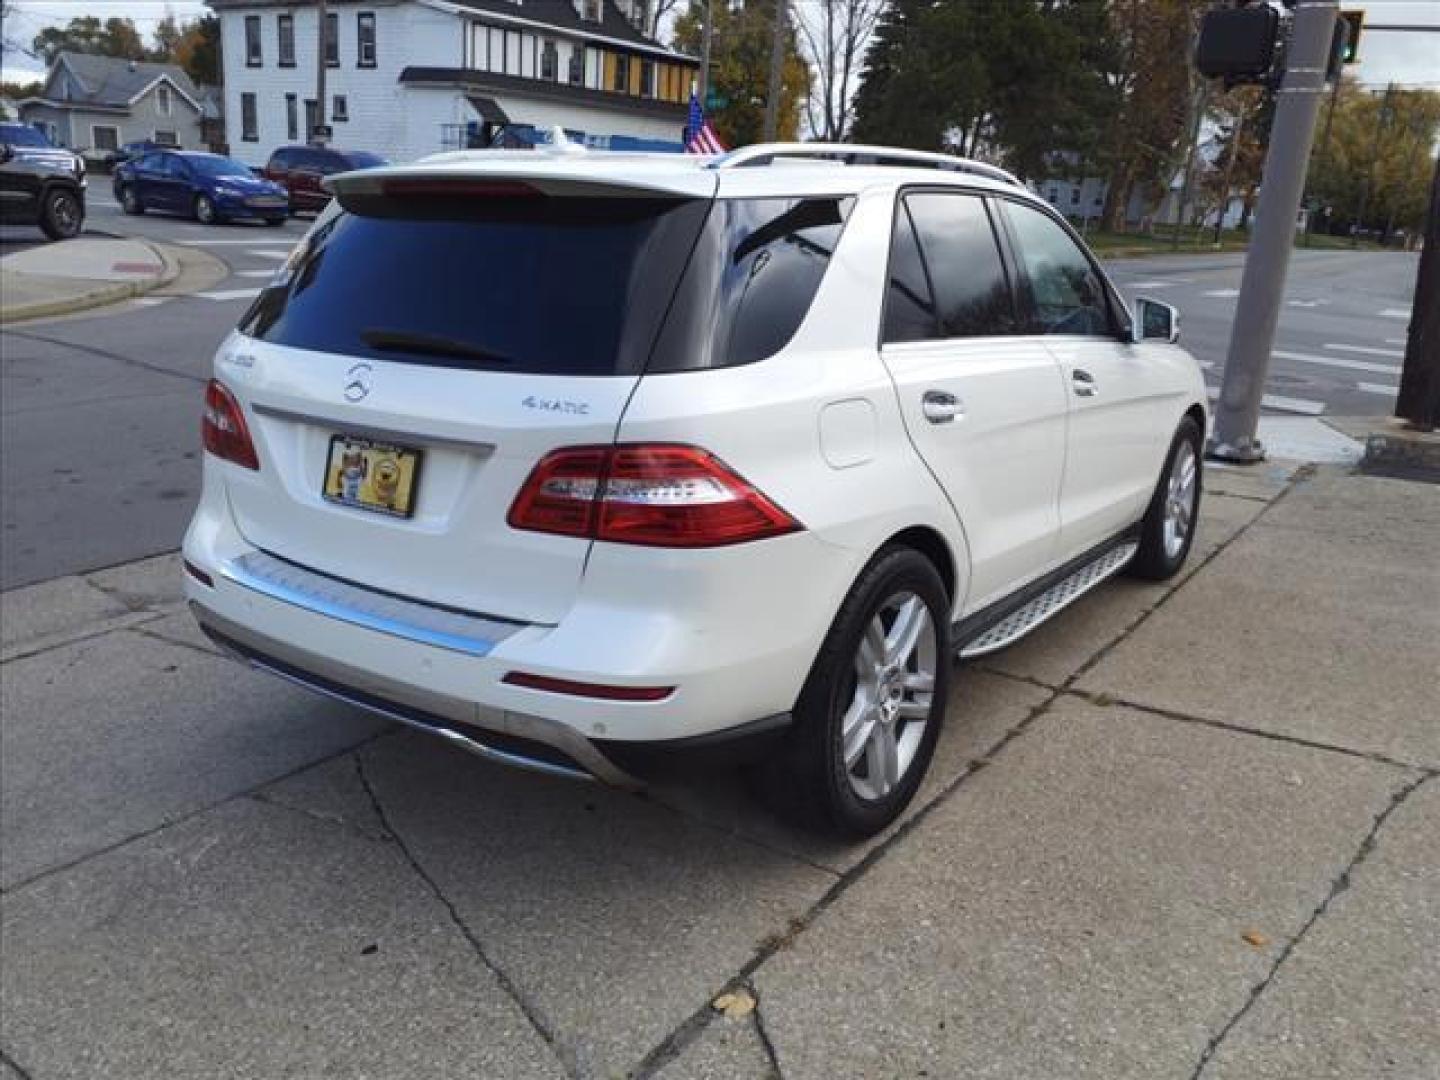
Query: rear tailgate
point(459, 326)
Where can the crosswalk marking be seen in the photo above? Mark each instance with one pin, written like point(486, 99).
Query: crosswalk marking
point(1369, 350)
point(270, 254)
point(1280, 403)
point(253, 242)
point(1395, 313)
point(1306, 303)
point(1337, 362)
point(230, 294)
point(1394, 341)
point(256, 273)
point(1223, 294)
point(1378, 388)
point(1149, 284)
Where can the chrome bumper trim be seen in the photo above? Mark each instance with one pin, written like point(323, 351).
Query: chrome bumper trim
point(476, 635)
point(415, 707)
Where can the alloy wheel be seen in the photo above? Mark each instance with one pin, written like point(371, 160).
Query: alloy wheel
point(1180, 492)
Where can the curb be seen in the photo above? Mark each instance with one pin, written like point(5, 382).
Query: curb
point(98, 297)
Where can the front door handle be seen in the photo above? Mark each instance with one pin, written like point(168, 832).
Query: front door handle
point(940, 407)
point(1084, 383)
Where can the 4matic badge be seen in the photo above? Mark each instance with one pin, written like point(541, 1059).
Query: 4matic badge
point(569, 408)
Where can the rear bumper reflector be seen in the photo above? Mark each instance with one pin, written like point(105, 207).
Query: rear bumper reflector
point(584, 689)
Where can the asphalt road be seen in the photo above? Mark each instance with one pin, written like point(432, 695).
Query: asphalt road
point(99, 457)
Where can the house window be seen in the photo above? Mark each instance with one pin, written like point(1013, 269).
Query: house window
point(577, 65)
point(621, 82)
point(104, 137)
point(339, 108)
point(590, 10)
point(253, 56)
point(166, 138)
point(332, 40)
point(164, 100)
point(249, 124)
point(647, 78)
point(550, 62)
point(365, 35)
point(312, 118)
point(285, 29)
point(292, 117)
point(1075, 196)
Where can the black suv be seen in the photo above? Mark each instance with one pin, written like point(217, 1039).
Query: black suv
point(40, 184)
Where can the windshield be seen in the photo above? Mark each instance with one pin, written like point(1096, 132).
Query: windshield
point(363, 159)
point(22, 135)
point(213, 165)
point(525, 284)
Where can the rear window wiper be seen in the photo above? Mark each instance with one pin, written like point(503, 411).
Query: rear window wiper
point(429, 345)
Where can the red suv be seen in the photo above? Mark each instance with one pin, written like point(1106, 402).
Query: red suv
point(301, 168)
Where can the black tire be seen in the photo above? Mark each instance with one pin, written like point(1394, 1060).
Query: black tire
point(130, 200)
point(63, 215)
point(1160, 557)
point(808, 780)
point(204, 210)
point(275, 221)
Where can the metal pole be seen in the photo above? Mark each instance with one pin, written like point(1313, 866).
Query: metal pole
point(1235, 138)
point(1190, 163)
point(322, 18)
point(707, 32)
point(1419, 397)
point(1380, 127)
point(1237, 413)
point(777, 61)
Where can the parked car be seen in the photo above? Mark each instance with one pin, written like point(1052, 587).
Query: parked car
point(40, 184)
point(595, 465)
point(208, 187)
point(301, 169)
point(132, 150)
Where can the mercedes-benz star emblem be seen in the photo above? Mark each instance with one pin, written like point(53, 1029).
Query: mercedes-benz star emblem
point(357, 382)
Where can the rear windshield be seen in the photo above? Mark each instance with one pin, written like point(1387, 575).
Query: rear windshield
point(556, 286)
point(361, 159)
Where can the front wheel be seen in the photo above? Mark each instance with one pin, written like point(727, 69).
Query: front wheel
point(130, 201)
point(868, 717)
point(62, 215)
point(204, 210)
point(1168, 528)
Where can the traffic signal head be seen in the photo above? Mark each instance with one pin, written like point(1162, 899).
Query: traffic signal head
point(1353, 21)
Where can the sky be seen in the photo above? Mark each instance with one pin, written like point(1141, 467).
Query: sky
point(1407, 58)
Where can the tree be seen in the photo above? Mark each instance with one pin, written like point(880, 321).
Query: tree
point(740, 66)
point(1239, 154)
point(833, 37)
point(1379, 153)
point(86, 34)
point(167, 35)
point(198, 50)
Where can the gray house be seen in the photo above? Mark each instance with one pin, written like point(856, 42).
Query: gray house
point(95, 104)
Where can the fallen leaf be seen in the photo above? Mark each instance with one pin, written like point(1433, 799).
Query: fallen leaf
point(734, 1005)
point(1254, 937)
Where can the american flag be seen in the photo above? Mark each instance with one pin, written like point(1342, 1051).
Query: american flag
point(700, 137)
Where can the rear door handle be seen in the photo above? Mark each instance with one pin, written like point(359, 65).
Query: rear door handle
point(1084, 383)
point(941, 407)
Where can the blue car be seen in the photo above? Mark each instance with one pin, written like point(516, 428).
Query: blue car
point(207, 187)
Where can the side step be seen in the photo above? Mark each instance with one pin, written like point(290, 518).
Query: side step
point(1051, 602)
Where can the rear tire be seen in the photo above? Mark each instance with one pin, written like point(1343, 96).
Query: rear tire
point(1168, 528)
point(130, 201)
point(205, 210)
point(868, 717)
point(62, 216)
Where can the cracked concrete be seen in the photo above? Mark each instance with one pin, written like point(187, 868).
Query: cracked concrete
point(1131, 859)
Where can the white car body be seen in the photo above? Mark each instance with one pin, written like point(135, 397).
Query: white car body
point(422, 618)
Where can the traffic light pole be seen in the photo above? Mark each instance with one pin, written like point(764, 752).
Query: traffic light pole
point(1262, 287)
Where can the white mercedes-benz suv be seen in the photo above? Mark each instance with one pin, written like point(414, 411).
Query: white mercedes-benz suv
point(598, 462)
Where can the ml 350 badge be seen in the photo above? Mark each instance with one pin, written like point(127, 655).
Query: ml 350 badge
point(371, 475)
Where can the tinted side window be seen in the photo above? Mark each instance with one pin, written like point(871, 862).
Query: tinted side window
point(149, 163)
point(175, 168)
point(757, 266)
point(972, 294)
point(1066, 295)
point(280, 159)
point(909, 305)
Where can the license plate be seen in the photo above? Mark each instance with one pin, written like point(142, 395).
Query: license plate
point(370, 475)
point(267, 200)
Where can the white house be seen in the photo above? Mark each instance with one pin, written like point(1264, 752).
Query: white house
point(405, 78)
point(95, 104)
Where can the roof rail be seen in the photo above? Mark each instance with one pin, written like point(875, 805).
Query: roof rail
point(855, 154)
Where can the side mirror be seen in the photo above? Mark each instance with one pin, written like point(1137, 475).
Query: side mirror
point(1154, 321)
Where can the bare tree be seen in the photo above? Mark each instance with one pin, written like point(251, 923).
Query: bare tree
point(833, 38)
point(655, 16)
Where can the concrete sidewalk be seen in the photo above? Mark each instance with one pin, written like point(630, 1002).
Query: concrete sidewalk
point(73, 275)
point(1184, 830)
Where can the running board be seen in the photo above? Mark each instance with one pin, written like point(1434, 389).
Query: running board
point(1051, 602)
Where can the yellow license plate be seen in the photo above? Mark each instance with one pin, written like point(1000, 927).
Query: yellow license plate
point(370, 475)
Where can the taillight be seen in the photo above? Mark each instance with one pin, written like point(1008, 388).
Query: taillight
point(662, 495)
point(223, 428)
point(604, 691)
